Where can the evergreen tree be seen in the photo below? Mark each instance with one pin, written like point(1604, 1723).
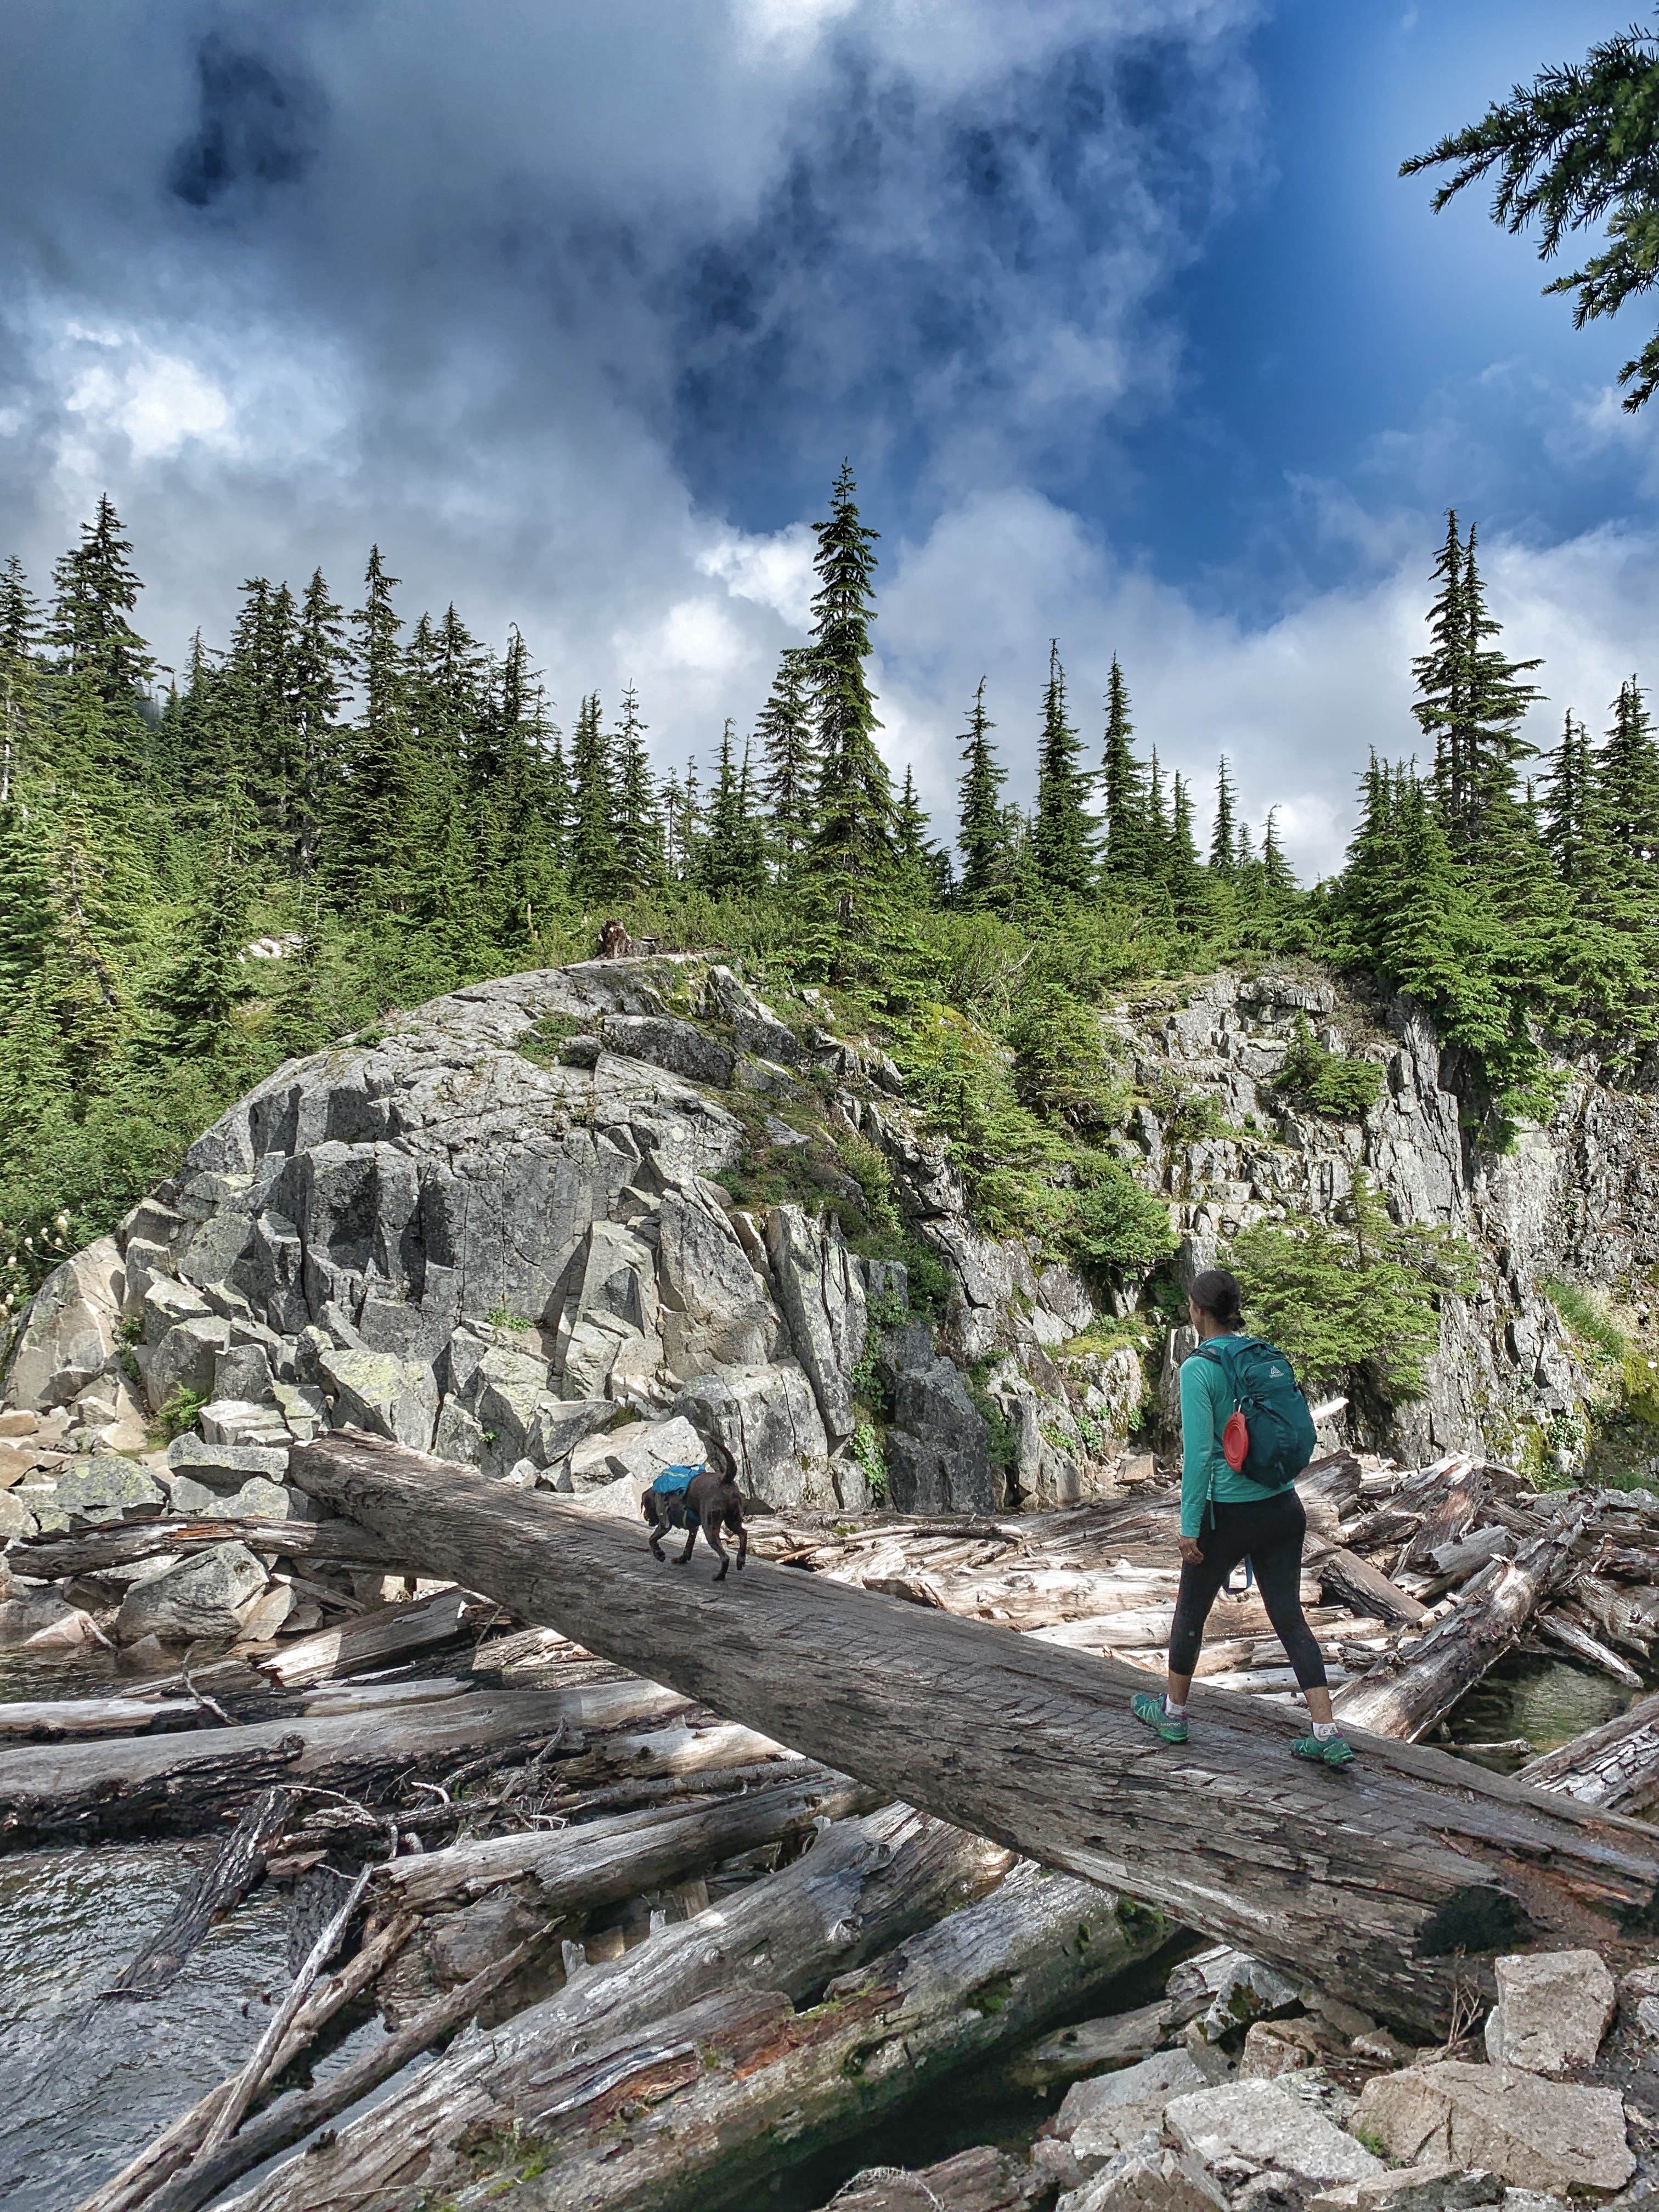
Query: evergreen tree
point(97, 589)
point(919, 859)
point(595, 871)
point(1471, 703)
point(792, 771)
point(732, 858)
point(319, 665)
point(560, 800)
point(208, 979)
point(854, 836)
point(1182, 872)
point(1128, 856)
point(639, 827)
point(1277, 876)
point(1626, 783)
point(19, 634)
point(1565, 822)
point(1063, 835)
point(1223, 837)
point(980, 836)
point(378, 800)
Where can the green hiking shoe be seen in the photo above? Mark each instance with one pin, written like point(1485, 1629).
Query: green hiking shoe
point(1150, 1710)
point(1333, 1751)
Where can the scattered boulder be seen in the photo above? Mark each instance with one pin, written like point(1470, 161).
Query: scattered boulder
point(186, 1358)
point(1263, 2124)
point(612, 1473)
point(1107, 2115)
point(104, 1488)
point(244, 1371)
point(1273, 2047)
point(679, 1047)
point(388, 1397)
point(241, 1421)
point(561, 1424)
point(769, 1420)
point(204, 1595)
point(1553, 2010)
point(258, 1499)
point(67, 1336)
point(1416, 2188)
point(225, 1467)
point(1148, 2178)
point(1533, 2133)
point(1248, 1990)
point(40, 1620)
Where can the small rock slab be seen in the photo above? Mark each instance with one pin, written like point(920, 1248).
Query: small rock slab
point(1103, 2115)
point(1413, 2189)
point(392, 1398)
point(225, 1466)
point(259, 1500)
point(105, 1487)
point(1553, 2010)
point(1264, 2125)
point(980, 2180)
point(40, 1620)
point(1533, 2133)
point(1150, 2179)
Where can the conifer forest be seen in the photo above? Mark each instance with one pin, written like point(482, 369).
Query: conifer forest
point(342, 809)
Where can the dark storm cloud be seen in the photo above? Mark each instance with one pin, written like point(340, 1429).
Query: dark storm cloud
point(258, 124)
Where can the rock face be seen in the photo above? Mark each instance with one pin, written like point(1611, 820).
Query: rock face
point(1532, 2133)
point(1578, 1198)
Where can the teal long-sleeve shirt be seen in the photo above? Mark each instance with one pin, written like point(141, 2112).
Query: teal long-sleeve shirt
point(1207, 1402)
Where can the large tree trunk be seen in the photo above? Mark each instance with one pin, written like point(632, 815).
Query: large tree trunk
point(1387, 1883)
point(864, 1886)
point(182, 1784)
point(1433, 1672)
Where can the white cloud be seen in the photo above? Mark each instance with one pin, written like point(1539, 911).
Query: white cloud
point(775, 571)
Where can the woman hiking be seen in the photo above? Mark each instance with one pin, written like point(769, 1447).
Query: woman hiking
point(1228, 1516)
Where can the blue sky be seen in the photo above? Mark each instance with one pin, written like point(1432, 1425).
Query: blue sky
point(1132, 330)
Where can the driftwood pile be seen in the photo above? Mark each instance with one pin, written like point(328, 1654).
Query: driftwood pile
point(699, 1955)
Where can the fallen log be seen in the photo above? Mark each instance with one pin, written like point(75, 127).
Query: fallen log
point(137, 2181)
point(1559, 1626)
point(603, 1861)
point(1343, 1576)
point(1387, 1884)
point(1431, 1673)
point(181, 1785)
point(1614, 1767)
point(97, 1551)
point(1091, 2046)
point(865, 1884)
point(47, 1721)
point(384, 1637)
point(714, 2101)
point(233, 1871)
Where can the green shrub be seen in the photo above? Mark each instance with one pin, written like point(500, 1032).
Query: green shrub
point(867, 1451)
point(1317, 1081)
point(1060, 1066)
point(1354, 1303)
point(180, 1413)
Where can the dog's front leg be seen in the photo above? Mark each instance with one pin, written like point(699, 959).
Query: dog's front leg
point(691, 1545)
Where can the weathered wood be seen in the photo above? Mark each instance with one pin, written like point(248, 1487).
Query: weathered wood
point(1628, 1617)
point(388, 1635)
point(1559, 1626)
point(1614, 1767)
point(218, 2164)
point(139, 2179)
point(864, 1886)
point(182, 1784)
point(46, 1720)
point(1343, 1575)
point(1089, 2046)
point(96, 1551)
point(235, 1869)
point(580, 1869)
point(1374, 1882)
point(721, 2096)
point(1433, 1671)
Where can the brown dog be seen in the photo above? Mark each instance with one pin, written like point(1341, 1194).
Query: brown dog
point(709, 1501)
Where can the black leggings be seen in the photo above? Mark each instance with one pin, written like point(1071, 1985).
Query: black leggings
point(1269, 1535)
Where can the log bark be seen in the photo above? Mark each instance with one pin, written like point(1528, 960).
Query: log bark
point(712, 2102)
point(384, 1637)
point(1343, 1576)
point(1614, 1767)
point(864, 1884)
point(47, 1722)
point(222, 1885)
point(603, 1861)
point(96, 1551)
point(1387, 1884)
point(1433, 1672)
point(182, 1784)
point(1562, 1627)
